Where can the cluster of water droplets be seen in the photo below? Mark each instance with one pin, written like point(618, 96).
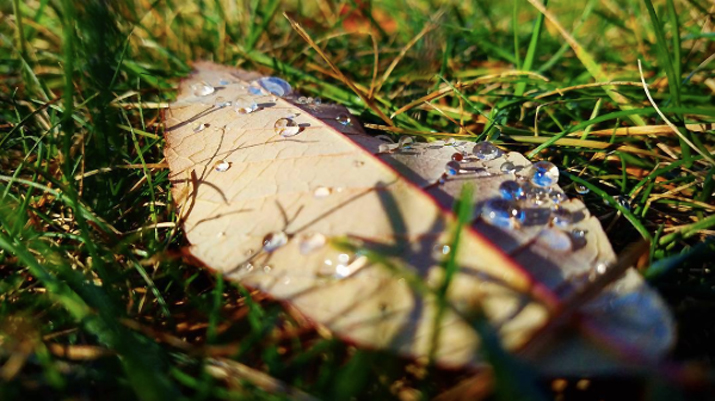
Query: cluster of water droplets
point(530, 197)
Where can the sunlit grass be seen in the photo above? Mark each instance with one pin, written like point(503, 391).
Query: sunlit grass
point(90, 258)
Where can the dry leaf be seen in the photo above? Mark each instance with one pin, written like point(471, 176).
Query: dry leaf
point(262, 208)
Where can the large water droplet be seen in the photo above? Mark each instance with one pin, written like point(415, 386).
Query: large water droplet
point(286, 127)
point(406, 142)
point(244, 105)
point(311, 242)
point(507, 167)
point(222, 165)
point(453, 168)
point(224, 82)
point(254, 91)
point(221, 102)
point(486, 151)
point(275, 86)
point(557, 196)
point(561, 217)
point(343, 119)
point(537, 195)
point(200, 127)
point(555, 239)
point(511, 190)
point(544, 174)
point(581, 189)
point(274, 240)
point(202, 89)
point(386, 147)
point(502, 213)
point(457, 157)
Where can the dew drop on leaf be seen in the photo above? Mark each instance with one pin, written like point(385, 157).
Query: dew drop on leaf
point(321, 192)
point(200, 127)
point(556, 240)
point(343, 119)
point(502, 213)
point(557, 196)
point(222, 166)
point(274, 240)
point(406, 142)
point(544, 174)
point(536, 195)
point(511, 190)
point(202, 89)
point(486, 151)
point(244, 105)
point(311, 242)
point(275, 86)
point(286, 127)
point(507, 167)
point(561, 217)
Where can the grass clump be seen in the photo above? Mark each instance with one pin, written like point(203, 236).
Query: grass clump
point(97, 300)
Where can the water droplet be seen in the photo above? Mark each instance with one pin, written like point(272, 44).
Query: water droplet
point(439, 251)
point(486, 151)
point(311, 242)
point(502, 213)
point(244, 105)
point(317, 101)
point(581, 189)
point(450, 142)
point(248, 267)
point(201, 127)
point(275, 86)
point(274, 240)
point(624, 201)
point(511, 190)
point(536, 195)
point(254, 91)
point(508, 167)
point(578, 233)
point(223, 82)
point(221, 102)
point(286, 127)
point(386, 147)
point(544, 174)
point(555, 239)
point(267, 269)
point(202, 89)
point(457, 157)
point(561, 217)
point(557, 196)
point(343, 119)
point(452, 168)
point(304, 100)
point(222, 165)
point(406, 142)
point(321, 192)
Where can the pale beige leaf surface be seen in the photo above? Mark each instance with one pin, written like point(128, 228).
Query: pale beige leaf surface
point(325, 182)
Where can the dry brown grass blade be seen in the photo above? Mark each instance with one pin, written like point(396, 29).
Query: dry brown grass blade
point(428, 27)
point(644, 130)
point(561, 91)
point(672, 126)
point(445, 90)
point(234, 373)
point(368, 102)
